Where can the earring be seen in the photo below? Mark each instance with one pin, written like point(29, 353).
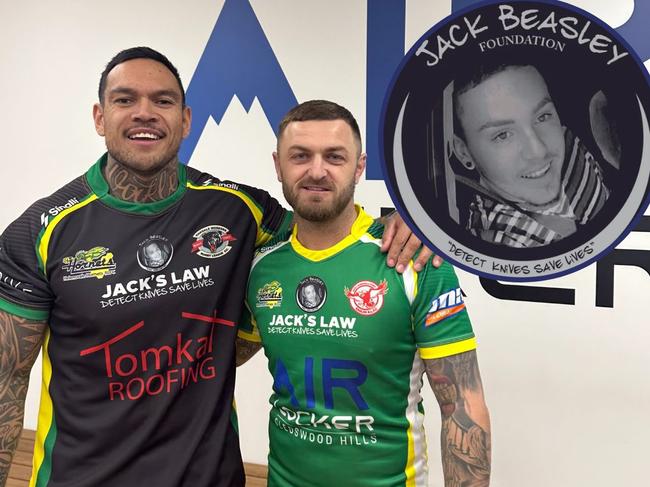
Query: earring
point(469, 165)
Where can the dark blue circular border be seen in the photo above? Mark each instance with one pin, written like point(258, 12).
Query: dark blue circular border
point(394, 195)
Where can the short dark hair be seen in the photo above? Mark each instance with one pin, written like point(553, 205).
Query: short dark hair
point(140, 52)
point(320, 110)
point(470, 76)
point(466, 80)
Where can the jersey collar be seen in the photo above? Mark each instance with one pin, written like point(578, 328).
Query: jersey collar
point(359, 227)
point(99, 186)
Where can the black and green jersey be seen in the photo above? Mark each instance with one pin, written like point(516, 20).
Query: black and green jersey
point(345, 336)
point(142, 302)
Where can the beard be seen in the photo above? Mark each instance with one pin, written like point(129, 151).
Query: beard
point(314, 209)
point(141, 162)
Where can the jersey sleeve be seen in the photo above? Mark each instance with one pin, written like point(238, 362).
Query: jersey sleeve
point(24, 290)
point(247, 329)
point(441, 324)
point(272, 219)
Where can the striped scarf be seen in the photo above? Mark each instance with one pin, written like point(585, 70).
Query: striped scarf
point(583, 193)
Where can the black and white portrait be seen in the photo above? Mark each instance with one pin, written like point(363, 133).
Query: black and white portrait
point(517, 144)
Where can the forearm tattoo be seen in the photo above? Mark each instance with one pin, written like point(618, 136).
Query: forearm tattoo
point(245, 350)
point(20, 341)
point(465, 438)
point(128, 186)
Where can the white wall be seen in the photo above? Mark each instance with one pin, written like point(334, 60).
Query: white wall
point(567, 386)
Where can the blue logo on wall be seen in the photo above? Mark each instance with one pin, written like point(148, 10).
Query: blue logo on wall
point(238, 60)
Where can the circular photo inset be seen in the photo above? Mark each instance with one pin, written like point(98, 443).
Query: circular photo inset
point(155, 253)
point(515, 139)
point(311, 294)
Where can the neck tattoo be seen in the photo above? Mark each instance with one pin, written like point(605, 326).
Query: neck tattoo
point(128, 185)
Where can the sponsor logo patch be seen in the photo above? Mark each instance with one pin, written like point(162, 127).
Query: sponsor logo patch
point(229, 185)
point(96, 262)
point(212, 241)
point(155, 253)
point(45, 217)
point(445, 306)
point(367, 297)
point(269, 295)
point(311, 294)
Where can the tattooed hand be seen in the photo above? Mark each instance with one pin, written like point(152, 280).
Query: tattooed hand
point(20, 341)
point(465, 436)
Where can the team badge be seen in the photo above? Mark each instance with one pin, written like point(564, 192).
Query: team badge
point(445, 306)
point(96, 262)
point(269, 295)
point(212, 241)
point(155, 253)
point(311, 294)
point(366, 297)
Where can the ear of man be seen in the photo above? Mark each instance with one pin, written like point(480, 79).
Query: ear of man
point(462, 152)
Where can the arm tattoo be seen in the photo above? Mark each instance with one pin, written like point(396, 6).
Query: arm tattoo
point(245, 350)
point(126, 185)
point(20, 341)
point(465, 438)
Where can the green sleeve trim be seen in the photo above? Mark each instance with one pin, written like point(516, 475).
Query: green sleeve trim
point(27, 313)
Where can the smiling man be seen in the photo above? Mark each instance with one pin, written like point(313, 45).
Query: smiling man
point(529, 165)
point(347, 372)
point(136, 315)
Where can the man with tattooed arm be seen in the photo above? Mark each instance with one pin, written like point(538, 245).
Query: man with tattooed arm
point(347, 369)
point(132, 277)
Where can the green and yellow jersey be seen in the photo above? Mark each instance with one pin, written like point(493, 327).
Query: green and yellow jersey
point(345, 337)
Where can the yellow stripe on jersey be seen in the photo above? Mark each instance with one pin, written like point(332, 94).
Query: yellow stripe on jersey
point(410, 279)
point(410, 462)
point(262, 236)
point(417, 275)
point(45, 414)
point(448, 349)
point(415, 470)
point(47, 234)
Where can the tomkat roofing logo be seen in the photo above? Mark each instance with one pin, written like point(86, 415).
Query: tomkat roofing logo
point(366, 297)
point(503, 163)
point(212, 241)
